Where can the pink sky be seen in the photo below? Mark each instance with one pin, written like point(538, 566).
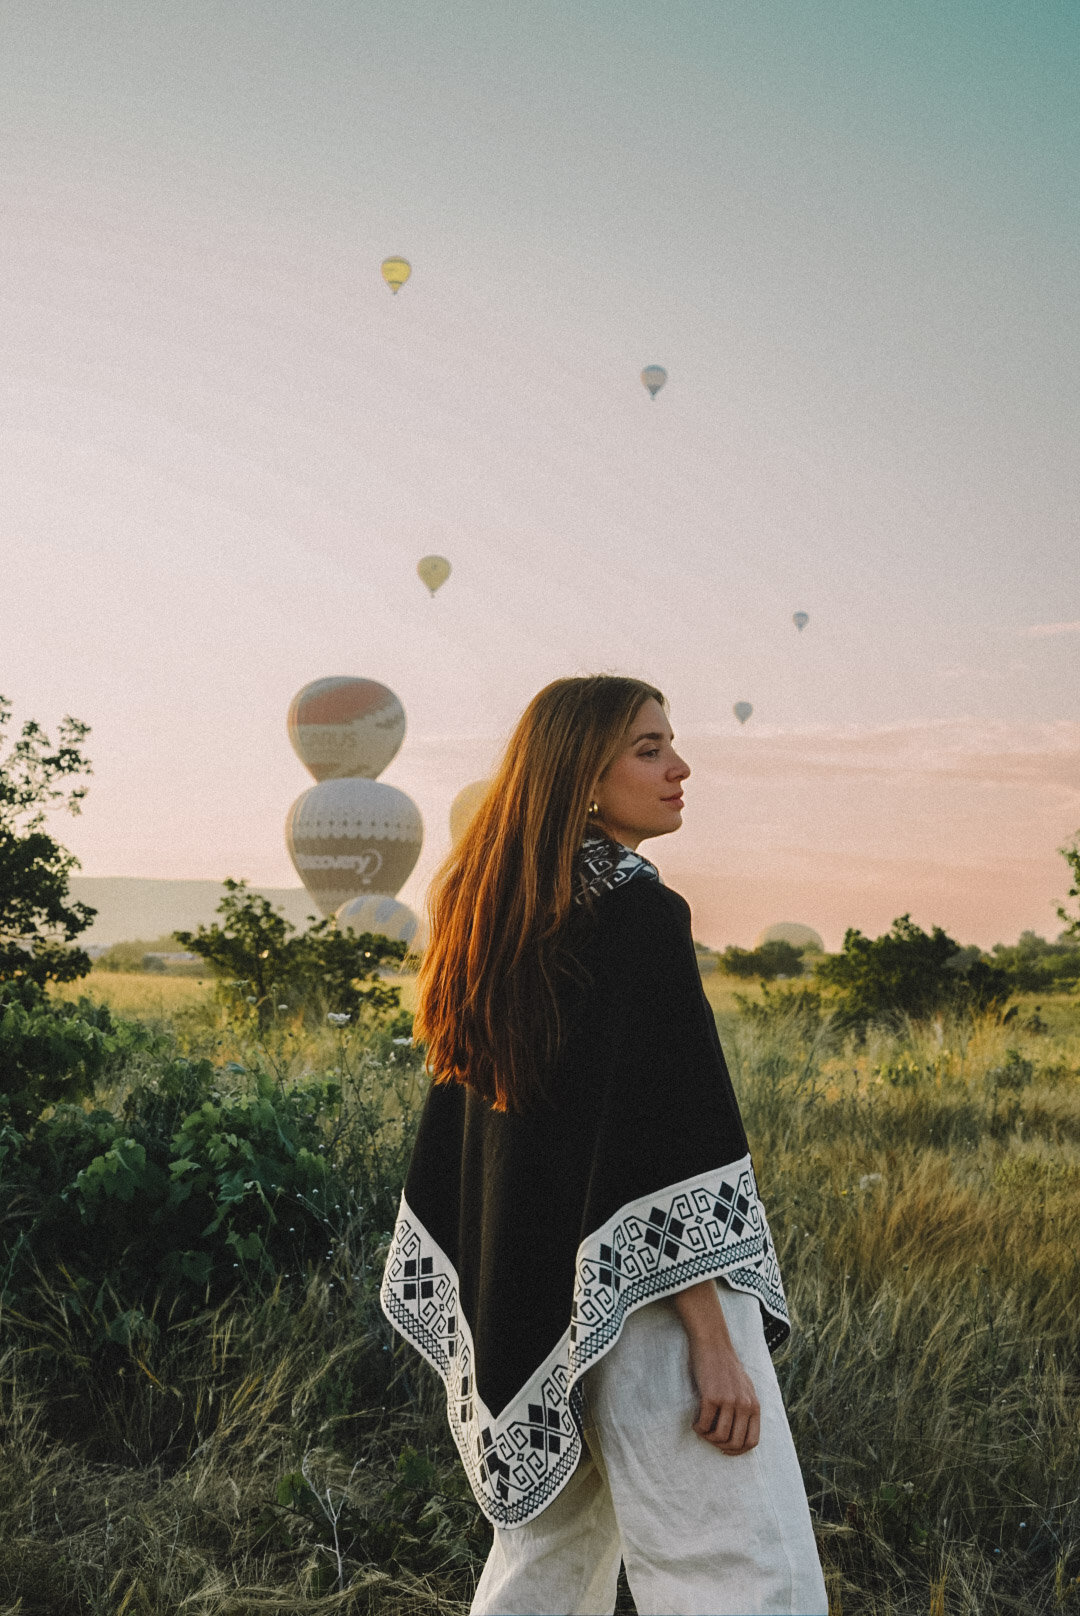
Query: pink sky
point(955, 822)
point(850, 234)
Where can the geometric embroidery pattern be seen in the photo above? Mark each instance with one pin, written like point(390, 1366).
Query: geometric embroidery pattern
point(602, 865)
point(708, 1227)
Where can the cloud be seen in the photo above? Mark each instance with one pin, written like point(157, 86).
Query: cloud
point(1039, 631)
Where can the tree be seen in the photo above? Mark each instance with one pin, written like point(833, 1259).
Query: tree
point(1071, 854)
point(909, 972)
point(1037, 966)
point(38, 918)
point(769, 961)
point(263, 963)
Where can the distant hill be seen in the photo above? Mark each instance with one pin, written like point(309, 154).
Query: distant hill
point(129, 907)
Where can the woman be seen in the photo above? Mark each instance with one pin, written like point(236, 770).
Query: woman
point(581, 1252)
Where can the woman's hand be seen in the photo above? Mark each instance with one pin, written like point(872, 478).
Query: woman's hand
point(729, 1414)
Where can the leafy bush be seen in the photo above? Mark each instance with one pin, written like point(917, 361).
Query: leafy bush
point(1034, 965)
point(52, 1050)
point(186, 1191)
point(908, 972)
point(265, 965)
point(768, 962)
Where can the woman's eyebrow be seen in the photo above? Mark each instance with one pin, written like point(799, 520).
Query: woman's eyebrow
point(651, 735)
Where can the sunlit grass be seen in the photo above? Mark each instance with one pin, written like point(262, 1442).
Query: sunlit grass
point(148, 994)
point(924, 1192)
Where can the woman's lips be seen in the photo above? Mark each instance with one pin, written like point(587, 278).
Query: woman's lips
point(676, 801)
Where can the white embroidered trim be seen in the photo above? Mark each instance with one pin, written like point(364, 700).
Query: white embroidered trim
point(708, 1227)
point(603, 865)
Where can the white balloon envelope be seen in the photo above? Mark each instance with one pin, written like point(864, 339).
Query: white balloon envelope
point(464, 806)
point(383, 916)
point(345, 728)
point(793, 932)
point(351, 838)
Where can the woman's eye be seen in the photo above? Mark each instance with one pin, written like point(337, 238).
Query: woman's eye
point(654, 751)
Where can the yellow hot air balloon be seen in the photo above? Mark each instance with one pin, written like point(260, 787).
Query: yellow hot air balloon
point(395, 272)
point(434, 571)
point(464, 806)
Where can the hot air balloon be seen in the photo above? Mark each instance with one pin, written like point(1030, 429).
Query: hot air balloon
point(350, 838)
point(793, 932)
point(742, 711)
point(800, 619)
point(342, 727)
point(464, 806)
point(434, 571)
point(395, 272)
point(654, 377)
point(385, 917)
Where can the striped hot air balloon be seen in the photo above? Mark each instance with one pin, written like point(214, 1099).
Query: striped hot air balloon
point(351, 838)
point(343, 727)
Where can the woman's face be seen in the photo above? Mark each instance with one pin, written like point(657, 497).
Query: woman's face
point(640, 794)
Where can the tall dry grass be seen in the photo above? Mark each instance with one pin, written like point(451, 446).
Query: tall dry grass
point(923, 1191)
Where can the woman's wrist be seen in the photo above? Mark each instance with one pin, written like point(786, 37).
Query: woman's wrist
point(702, 1315)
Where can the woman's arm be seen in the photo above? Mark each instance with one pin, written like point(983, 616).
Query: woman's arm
point(729, 1415)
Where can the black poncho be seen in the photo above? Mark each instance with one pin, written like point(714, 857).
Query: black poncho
point(523, 1241)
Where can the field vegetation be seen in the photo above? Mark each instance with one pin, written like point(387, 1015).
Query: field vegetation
point(205, 1411)
point(202, 1409)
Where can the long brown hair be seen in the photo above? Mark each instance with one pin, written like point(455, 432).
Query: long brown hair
point(499, 906)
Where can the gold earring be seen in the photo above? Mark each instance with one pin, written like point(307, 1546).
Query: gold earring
point(594, 807)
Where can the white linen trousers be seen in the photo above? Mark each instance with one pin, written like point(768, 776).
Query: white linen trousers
point(700, 1533)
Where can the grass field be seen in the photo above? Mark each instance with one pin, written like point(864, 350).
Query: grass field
point(924, 1192)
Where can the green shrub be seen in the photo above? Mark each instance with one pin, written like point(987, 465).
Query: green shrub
point(185, 1193)
point(1034, 965)
point(53, 1050)
point(266, 967)
point(768, 962)
point(908, 973)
